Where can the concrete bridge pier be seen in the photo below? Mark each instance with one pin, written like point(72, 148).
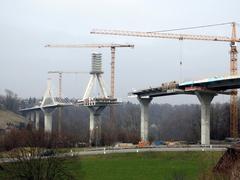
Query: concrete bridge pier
point(32, 117)
point(144, 106)
point(48, 119)
point(205, 100)
point(95, 123)
point(37, 117)
point(28, 115)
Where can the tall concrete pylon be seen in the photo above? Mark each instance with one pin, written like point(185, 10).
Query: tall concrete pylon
point(95, 111)
point(96, 76)
point(48, 99)
point(97, 104)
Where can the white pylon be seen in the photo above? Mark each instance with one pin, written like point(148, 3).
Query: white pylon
point(48, 98)
point(96, 76)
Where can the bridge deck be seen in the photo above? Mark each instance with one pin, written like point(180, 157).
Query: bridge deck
point(217, 85)
point(44, 107)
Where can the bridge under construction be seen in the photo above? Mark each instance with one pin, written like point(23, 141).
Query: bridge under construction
point(204, 89)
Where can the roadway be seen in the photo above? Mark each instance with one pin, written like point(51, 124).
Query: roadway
point(103, 151)
point(99, 151)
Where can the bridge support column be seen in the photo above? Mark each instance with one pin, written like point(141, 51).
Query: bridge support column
point(48, 122)
point(48, 119)
point(28, 116)
point(32, 115)
point(205, 100)
point(37, 120)
point(95, 123)
point(144, 105)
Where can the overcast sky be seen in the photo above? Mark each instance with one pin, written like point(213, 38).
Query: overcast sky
point(27, 25)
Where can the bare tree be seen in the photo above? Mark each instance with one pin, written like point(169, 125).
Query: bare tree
point(32, 160)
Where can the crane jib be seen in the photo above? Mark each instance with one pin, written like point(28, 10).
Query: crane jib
point(164, 35)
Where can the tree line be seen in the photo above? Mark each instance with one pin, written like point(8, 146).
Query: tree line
point(167, 122)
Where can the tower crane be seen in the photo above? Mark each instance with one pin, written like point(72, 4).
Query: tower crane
point(233, 56)
point(60, 73)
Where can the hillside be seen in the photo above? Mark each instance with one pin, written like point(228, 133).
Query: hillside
point(9, 117)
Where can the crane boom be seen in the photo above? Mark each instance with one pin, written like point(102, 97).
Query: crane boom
point(163, 35)
point(89, 45)
point(67, 72)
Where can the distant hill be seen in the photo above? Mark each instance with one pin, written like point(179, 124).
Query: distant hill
point(10, 117)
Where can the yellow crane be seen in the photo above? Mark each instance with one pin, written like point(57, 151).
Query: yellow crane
point(233, 56)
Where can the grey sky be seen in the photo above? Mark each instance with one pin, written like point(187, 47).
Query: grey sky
point(27, 25)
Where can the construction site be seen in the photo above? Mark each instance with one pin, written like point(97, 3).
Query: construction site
point(119, 90)
point(205, 89)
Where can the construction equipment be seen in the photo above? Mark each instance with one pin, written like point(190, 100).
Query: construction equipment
point(60, 73)
point(113, 52)
point(143, 144)
point(233, 56)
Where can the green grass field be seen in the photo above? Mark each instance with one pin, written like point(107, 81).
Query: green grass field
point(141, 166)
point(152, 165)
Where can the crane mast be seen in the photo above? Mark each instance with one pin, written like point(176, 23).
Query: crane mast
point(233, 58)
point(233, 98)
point(113, 50)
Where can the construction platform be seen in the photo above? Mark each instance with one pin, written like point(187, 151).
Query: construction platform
point(98, 102)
